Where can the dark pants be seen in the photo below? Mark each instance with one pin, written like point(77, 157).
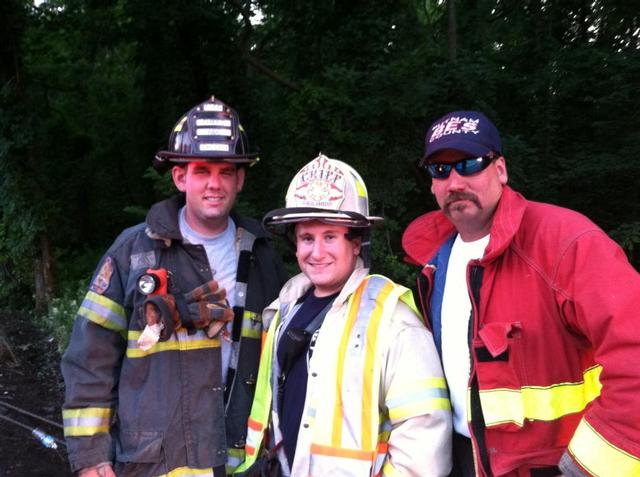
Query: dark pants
point(462, 457)
point(219, 471)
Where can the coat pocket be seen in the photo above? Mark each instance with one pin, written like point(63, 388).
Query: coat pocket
point(142, 447)
point(498, 367)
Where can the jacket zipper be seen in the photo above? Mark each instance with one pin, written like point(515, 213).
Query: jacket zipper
point(477, 427)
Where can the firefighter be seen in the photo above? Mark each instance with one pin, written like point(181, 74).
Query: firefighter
point(195, 276)
point(350, 383)
point(533, 309)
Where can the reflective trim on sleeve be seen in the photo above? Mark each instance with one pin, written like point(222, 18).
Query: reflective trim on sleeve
point(388, 470)
point(598, 456)
point(500, 406)
point(86, 421)
point(421, 397)
point(103, 311)
point(179, 341)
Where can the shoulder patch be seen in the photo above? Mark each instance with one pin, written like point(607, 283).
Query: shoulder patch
point(103, 278)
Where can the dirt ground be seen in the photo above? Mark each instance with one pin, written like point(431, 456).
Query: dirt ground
point(30, 380)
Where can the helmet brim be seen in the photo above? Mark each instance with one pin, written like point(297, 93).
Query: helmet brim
point(164, 159)
point(294, 215)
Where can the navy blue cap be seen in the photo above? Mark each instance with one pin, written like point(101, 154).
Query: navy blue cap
point(467, 131)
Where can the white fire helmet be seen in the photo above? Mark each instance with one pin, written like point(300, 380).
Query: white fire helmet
point(327, 190)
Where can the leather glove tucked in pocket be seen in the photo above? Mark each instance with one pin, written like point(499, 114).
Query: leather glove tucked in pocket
point(204, 307)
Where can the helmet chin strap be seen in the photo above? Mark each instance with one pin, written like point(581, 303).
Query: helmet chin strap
point(365, 247)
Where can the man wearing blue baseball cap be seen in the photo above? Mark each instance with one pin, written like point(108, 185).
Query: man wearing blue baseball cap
point(533, 310)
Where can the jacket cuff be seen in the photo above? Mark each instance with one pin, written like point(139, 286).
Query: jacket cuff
point(89, 452)
point(590, 454)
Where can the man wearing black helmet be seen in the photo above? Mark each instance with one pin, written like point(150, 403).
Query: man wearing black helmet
point(162, 363)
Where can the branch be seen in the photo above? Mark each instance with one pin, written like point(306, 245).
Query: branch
point(243, 40)
point(269, 72)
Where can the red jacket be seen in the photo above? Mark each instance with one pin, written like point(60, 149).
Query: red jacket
point(555, 344)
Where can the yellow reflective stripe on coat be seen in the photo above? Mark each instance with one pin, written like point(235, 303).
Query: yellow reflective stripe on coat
point(103, 311)
point(369, 439)
point(181, 340)
point(369, 314)
point(261, 407)
point(423, 396)
point(539, 403)
point(251, 325)
point(598, 456)
point(356, 454)
point(234, 459)
point(188, 472)
point(86, 421)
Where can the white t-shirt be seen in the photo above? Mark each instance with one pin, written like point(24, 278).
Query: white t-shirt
point(223, 262)
point(456, 311)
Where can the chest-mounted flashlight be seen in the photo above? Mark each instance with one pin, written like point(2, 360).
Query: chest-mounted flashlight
point(153, 282)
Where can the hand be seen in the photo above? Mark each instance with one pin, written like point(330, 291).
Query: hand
point(101, 470)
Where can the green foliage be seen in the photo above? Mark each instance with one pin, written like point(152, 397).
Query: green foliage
point(628, 236)
point(61, 312)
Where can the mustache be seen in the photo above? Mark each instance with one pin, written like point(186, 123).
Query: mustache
point(455, 196)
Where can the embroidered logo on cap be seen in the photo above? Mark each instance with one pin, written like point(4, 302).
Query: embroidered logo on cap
point(454, 125)
point(320, 184)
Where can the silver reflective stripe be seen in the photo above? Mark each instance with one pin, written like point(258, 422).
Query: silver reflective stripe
point(103, 311)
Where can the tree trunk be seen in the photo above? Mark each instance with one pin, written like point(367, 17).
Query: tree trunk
point(42, 273)
point(452, 31)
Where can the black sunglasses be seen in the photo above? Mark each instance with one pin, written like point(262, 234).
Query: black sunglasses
point(464, 167)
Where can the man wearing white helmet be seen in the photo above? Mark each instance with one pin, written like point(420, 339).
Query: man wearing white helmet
point(349, 381)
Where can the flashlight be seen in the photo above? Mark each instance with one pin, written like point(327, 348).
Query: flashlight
point(153, 282)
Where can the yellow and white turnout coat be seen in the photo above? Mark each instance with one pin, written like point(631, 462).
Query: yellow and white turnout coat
point(376, 400)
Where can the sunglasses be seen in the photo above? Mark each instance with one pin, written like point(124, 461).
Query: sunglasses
point(464, 167)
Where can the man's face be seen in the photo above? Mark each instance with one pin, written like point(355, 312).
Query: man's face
point(325, 255)
point(211, 189)
point(470, 201)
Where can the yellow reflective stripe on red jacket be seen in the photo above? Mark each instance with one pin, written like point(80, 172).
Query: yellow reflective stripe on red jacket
point(181, 340)
point(541, 403)
point(103, 311)
point(598, 456)
point(86, 421)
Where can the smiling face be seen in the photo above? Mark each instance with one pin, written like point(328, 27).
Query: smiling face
point(211, 189)
point(469, 201)
point(325, 255)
